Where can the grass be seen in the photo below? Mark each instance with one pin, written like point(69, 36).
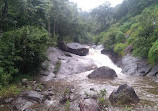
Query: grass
point(67, 106)
point(9, 91)
point(57, 67)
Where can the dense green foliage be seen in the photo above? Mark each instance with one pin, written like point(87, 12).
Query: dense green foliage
point(27, 27)
point(153, 53)
point(60, 17)
point(21, 52)
point(136, 23)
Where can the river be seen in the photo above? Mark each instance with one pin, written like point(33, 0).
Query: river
point(146, 87)
point(73, 74)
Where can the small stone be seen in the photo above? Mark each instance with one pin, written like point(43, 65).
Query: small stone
point(28, 109)
point(9, 100)
point(72, 97)
point(94, 97)
point(88, 105)
point(92, 89)
point(1, 106)
point(24, 82)
point(38, 89)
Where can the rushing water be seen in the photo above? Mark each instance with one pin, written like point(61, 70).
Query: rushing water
point(145, 87)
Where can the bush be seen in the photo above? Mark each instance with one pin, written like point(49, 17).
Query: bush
point(57, 67)
point(125, 27)
point(153, 53)
point(21, 52)
point(10, 91)
point(119, 48)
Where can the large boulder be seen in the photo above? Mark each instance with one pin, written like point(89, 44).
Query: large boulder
point(134, 66)
point(74, 48)
point(88, 105)
point(124, 95)
point(111, 54)
point(103, 73)
point(62, 46)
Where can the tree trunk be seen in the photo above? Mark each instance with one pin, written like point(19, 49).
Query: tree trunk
point(5, 9)
point(49, 26)
point(54, 27)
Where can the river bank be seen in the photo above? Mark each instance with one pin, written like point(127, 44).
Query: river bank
point(71, 83)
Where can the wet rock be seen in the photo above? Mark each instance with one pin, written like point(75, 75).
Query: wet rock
point(103, 73)
point(47, 94)
point(68, 55)
point(124, 95)
point(154, 71)
point(21, 104)
point(134, 66)
point(88, 105)
point(33, 95)
point(79, 66)
point(74, 48)
point(9, 100)
point(38, 89)
point(111, 54)
point(28, 109)
point(104, 51)
point(24, 82)
point(62, 45)
point(92, 89)
point(77, 49)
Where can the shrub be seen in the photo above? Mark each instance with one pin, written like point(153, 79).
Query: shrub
point(119, 48)
point(143, 39)
point(153, 53)
point(57, 67)
point(125, 27)
point(21, 52)
point(10, 91)
point(120, 37)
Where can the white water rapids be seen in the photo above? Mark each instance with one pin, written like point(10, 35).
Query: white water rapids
point(145, 87)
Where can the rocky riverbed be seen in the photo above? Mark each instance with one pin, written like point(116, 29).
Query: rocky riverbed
point(70, 89)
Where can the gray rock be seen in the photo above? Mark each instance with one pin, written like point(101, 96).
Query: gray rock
point(88, 105)
point(92, 89)
point(21, 104)
point(33, 95)
point(24, 82)
point(124, 95)
point(74, 48)
point(103, 73)
point(154, 71)
point(9, 100)
point(111, 54)
point(28, 109)
point(134, 66)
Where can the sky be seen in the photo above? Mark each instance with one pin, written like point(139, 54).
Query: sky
point(86, 5)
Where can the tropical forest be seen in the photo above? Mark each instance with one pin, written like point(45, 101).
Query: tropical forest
point(78, 55)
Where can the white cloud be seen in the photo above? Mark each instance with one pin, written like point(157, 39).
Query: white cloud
point(90, 4)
